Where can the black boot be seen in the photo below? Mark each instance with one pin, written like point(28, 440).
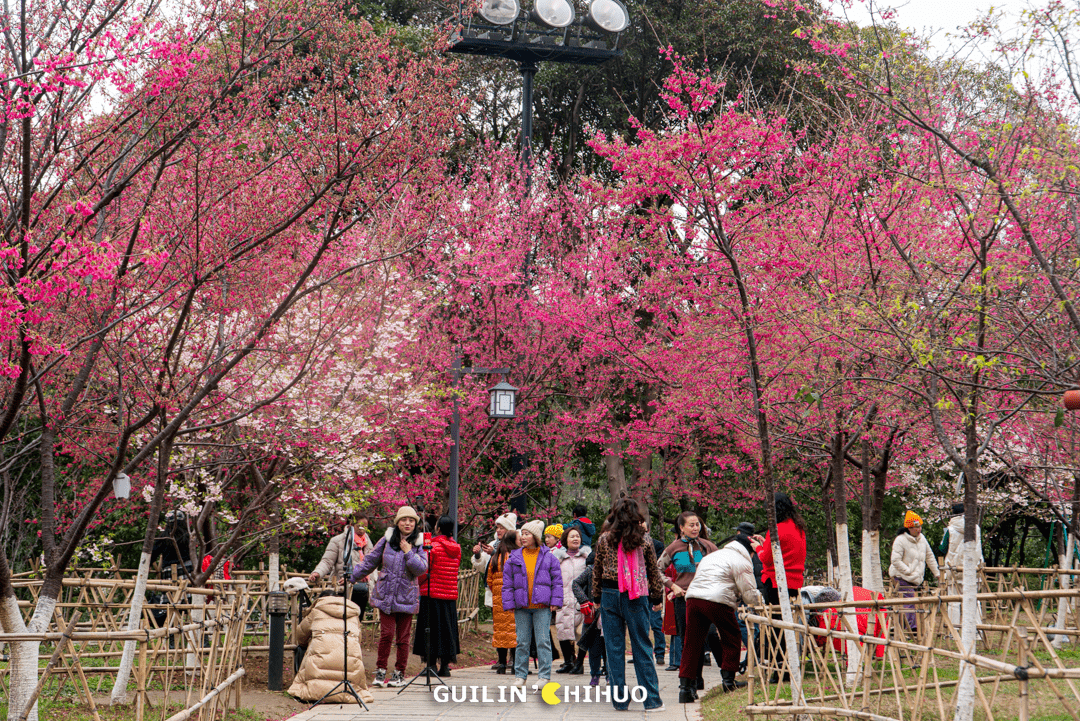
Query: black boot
point(567, 648)
point(730, 684)
point(579, 664)
point(686, 690)
point(708, 661)
point(700, 685)
point(444, 669)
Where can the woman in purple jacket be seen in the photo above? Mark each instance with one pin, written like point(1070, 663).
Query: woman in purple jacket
point(532, 586)
point(400, 559)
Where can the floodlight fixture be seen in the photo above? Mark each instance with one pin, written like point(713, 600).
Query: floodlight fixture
point(500, 12)
point(556, 14)
point(608, 16)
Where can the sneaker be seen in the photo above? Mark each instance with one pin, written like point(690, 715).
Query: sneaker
point(595, 681)
point(380, 678)
point(672, 667)
point(397, 680)
point(519, 681)
point(661, 707)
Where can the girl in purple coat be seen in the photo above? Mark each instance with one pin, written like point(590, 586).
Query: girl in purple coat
point(532, 586)
point(400, 559)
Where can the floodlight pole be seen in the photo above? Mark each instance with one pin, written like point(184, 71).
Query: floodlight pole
point(528, 72)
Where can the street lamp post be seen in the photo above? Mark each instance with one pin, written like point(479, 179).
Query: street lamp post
point(502, 404)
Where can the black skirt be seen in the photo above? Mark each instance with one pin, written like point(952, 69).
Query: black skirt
point(445, 644)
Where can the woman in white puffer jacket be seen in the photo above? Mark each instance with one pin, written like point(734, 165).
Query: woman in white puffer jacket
point(571, 556)
point(911, 556)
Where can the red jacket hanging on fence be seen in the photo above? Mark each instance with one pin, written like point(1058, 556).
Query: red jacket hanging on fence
point(864, 617)
point(444, 561)
point(226, 571)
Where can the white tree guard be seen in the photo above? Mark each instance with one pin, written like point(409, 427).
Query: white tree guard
point(123, 674)
point(843, 555)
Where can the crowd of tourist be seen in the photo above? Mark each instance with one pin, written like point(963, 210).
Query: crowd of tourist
point(573, 592)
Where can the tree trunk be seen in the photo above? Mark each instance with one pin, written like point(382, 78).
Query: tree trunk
point(138, 598)
point(1067, 562)
point(23, 668)
point(843, 554)
point(616, 472)
point(969, 603)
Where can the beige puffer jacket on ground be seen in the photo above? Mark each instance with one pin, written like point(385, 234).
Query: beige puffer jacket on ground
point(324, 661)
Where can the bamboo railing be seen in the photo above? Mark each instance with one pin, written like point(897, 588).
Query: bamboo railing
point(1017, 664)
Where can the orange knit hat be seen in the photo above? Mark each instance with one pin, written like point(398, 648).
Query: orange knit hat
point(911, 518)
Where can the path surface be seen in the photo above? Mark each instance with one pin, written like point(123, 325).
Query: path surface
point(418, 702)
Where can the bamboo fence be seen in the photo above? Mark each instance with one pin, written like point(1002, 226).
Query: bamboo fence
point(1017, 663)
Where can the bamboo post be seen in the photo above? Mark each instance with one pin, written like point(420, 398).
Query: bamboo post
point(140, 699)
point(1022, 637)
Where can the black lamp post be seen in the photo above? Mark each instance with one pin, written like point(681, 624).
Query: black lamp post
point(550, 30)
point(502, 404)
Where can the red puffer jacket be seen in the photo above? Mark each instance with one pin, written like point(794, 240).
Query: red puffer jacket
point(444, 560)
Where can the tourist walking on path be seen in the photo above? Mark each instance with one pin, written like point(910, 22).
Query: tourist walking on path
point(592, 633)
point(504, 632)
point(684, 553)
point(483, 552)
point(532, 587)
point(444, 560)
point(952, 549)
point(723, 579)
point(792, 531)
point(401, 561)
point(582, 523)
point(911, 556)
point(571, 555)
point(628, 581)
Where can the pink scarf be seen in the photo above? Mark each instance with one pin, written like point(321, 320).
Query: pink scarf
point(632, 577)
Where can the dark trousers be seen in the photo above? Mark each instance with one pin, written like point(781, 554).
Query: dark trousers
point(594, 643)
point(360, 597)
point(656, 621)
point(709, 639)
point(394, 628)
point(777, 654)
point(699, 614)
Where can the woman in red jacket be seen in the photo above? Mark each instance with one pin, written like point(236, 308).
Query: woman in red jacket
point(792, 530)
point(440, 604)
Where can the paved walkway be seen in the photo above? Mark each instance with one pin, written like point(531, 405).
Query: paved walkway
point(418, 702)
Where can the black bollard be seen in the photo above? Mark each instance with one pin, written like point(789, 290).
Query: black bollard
point(278, 607)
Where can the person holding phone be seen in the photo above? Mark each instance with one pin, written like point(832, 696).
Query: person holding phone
point(335, 565)
point(444, 559)
point(401, 561)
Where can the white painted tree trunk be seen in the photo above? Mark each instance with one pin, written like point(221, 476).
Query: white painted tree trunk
point(866, 569)
point(830, 570)
point(23, 678)
point(275, 572)
point(1066, 564)
point(123, 674)
point(197, 615)
point(969, 612)
point(793, 650)
point(875, 583)
point(843, 555)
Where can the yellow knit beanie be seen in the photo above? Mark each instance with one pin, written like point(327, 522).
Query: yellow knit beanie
point(555, 529)
point(911, 518)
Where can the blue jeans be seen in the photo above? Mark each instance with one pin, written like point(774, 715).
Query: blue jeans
point(620, 614)
point(675, 657)
point(656, 620)
point(532, 623)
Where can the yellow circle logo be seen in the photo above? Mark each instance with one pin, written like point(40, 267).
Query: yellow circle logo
point(548, 694)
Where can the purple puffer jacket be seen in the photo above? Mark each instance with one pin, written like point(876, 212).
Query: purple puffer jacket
point(397, 590)
point(547, 583)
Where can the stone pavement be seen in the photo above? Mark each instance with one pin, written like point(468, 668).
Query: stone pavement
point(418, 702)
